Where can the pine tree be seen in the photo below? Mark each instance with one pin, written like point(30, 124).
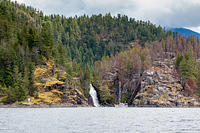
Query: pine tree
point(187, 69)
point(46, 44)
point(179, 58)
point(16, 92)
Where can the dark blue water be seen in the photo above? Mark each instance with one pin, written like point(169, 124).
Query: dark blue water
point(99, 120)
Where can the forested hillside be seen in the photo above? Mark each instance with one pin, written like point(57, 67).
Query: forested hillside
point(26, 42)
point(44, 57)
point(87, 39)
point(172, 65)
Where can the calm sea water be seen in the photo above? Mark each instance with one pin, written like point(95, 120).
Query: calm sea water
point(99, 120)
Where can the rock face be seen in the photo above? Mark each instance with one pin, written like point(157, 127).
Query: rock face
point(53, 87)
point(74, 96)
point(161, 88)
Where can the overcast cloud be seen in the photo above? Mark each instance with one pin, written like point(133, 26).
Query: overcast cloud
point(171, 13)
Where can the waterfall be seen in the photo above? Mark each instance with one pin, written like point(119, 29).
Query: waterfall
point(93, 94)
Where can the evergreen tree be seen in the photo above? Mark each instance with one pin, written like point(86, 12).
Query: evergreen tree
point(187, 69)
point(16, 92)
point(46, 44)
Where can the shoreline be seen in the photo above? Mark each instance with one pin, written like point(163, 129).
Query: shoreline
point(31, 105)
point(68, 105)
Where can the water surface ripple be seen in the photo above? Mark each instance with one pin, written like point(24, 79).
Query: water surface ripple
point(99, 120)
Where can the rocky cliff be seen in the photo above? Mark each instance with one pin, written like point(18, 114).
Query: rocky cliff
point(55, 86)
point(161, 87)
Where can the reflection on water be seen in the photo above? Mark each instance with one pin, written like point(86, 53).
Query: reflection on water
point(99, 120)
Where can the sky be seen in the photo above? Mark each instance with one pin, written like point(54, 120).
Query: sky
point(168, 13)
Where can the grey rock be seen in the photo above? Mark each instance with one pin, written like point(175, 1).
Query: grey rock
point(158, 81)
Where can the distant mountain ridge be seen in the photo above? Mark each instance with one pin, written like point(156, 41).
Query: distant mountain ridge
point(184, 32)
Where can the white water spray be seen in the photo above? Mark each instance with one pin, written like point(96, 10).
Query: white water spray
point(93, 94)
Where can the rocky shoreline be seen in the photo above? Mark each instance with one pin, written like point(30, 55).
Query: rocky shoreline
point(67, 105)
point(31, 105)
